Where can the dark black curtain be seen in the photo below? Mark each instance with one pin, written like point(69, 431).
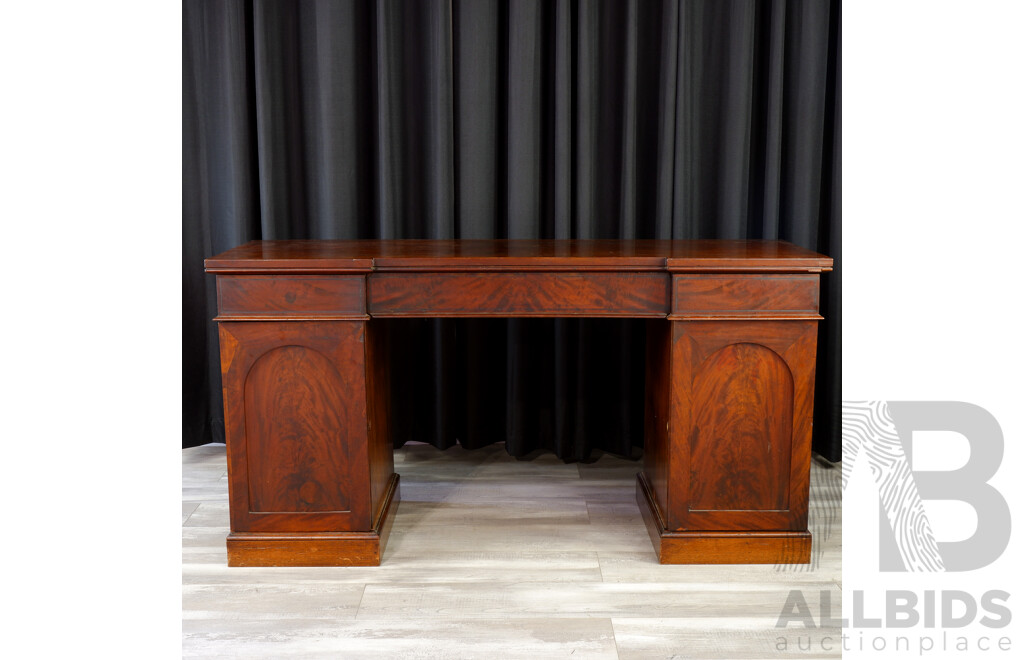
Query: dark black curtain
point(508, 119)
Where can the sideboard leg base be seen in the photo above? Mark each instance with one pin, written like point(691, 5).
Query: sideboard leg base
point(316, 548)
point(719, 547)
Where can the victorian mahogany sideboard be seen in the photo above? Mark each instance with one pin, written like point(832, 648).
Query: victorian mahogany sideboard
point(731, 341)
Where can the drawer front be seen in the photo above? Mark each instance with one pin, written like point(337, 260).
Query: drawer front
point(744, 295)
point(293, 296)
point(519, 294)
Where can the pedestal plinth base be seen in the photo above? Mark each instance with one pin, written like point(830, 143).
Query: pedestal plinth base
point(717, 547)
point(316, 548)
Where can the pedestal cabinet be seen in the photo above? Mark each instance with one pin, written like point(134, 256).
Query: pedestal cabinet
point(731, 345)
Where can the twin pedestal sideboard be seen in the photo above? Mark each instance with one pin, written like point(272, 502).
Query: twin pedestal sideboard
point(731, 342)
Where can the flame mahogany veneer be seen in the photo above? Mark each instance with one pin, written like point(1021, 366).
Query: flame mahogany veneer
point(731, 340)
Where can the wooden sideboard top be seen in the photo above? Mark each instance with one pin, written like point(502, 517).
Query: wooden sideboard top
point(326, 256)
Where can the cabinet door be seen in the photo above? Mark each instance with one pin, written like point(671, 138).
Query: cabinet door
point(741, 424)
point(295, 417)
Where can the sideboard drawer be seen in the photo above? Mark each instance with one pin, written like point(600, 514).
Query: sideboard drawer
point(298, 296)
point(519, 294)
point(744, 295)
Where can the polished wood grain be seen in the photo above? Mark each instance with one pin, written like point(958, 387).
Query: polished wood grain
point(322, 549)
point(742, 429)
point(315, 297)
point(519, 294)
point(731, 346)
point(380, 451)
point(295, 404)
point(744, 295)
point(517, 255)
point(768, 410)
point(658, 411)
point(295, 421)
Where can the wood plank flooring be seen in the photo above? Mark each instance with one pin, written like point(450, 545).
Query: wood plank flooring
point(492, 557)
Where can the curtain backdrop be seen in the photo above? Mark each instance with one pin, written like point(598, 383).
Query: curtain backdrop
point(508, 119)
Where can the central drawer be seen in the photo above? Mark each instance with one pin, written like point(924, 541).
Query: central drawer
point(468, 294)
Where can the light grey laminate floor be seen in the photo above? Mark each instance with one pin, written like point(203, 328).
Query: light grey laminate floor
point(491, 557)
